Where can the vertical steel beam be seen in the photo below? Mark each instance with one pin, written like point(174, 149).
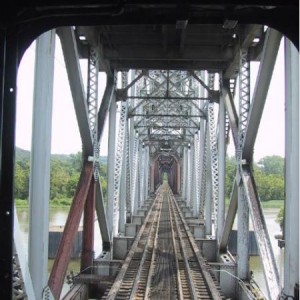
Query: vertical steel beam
point(291, 225)
point(213, 161)
point(39, 187)
point(147, 173)
point(194, 177)
point(142, 174)
point(123, 195)
point(134, 168)
point(242, 234)
point(92, 102)
point(178, 175)
point(128, 175)
point(87, 254)
point(8, 54)
point(221, 167)
point(92, 89)
point(202, 161)
point(184, 188)
point(152, 174)
point(189, 177)
point(198, 179)
point(243, 209)
point(119, 155)
point(100, 208)
point(111, 166)
point(63, 255)
point(208, 195)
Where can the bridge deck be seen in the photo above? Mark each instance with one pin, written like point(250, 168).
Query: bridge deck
point(164, 261)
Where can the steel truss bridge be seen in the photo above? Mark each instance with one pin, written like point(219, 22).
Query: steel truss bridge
point(177, 90)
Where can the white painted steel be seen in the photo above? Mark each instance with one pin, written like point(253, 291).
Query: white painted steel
point(39, 190)
point(291, 231)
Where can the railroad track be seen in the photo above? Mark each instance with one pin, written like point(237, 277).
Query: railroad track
point(164, 262)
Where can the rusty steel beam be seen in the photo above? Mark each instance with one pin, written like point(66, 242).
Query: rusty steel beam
point(63, 254)
point(101, 215)
point(87, 254)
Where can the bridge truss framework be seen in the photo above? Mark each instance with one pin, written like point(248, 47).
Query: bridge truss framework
point(170, 121)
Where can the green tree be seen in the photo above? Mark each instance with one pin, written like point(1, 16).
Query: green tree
point(270, 187)
point(22, 173)
point(272, 165)
point(280, 218)
point(230, 174)
point(59, 178)
point(76, 161)
point(268, 176)
point(71, 185)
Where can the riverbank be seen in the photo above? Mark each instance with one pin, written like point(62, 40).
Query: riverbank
point(265, 204)
point(66, 202)
point(55, 203)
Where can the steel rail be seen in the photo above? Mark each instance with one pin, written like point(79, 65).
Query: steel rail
point(215, 293)
point(183, 250)
point(119, 279)
point(137, 278)
point(180, 291)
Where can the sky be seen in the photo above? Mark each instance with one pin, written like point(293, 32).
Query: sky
point(65, 133)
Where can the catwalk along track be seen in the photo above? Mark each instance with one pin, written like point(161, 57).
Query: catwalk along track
point(164, 261)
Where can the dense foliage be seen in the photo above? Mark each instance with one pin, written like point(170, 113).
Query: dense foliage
point(65, 172)
point(269, 177)
point(64, 176)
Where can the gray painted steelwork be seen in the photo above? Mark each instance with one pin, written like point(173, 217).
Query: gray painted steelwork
point(40, 162)
point(168, 112)
point(291, 226)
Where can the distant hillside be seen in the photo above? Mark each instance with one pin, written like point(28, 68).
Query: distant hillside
point(22, 154)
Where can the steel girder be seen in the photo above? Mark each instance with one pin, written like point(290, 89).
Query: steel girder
point(95, 130)
point(197, 185)
point(243, 209)
point(119, 156)
point(69, 47)
point(267, 257)
point(291, 223)
point(60, 265)
point(118, 160)
point(213, 150)
point(268, 59)
point(39, 186)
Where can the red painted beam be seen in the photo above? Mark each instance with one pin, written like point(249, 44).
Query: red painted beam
point(87, 254)
point(63, 255)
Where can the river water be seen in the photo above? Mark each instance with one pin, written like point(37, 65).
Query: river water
point(58, 216)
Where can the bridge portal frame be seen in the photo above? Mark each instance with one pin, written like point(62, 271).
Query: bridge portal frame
point(9, 57)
